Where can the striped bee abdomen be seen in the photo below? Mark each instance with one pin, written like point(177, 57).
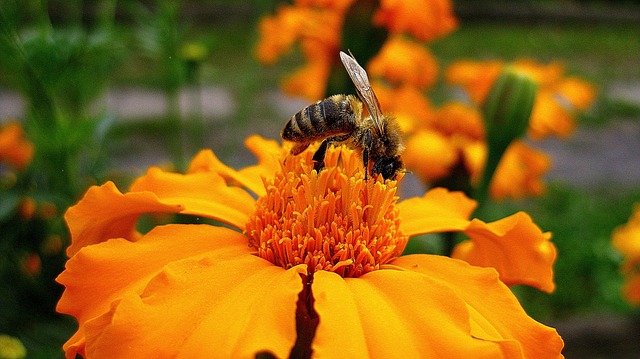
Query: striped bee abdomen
point(331, 116)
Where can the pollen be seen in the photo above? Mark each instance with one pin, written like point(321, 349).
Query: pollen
point(334, 220)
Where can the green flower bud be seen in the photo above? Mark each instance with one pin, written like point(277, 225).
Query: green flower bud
point(508, 108)
point(506, 111)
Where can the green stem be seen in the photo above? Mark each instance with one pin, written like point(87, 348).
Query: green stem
point(481, 193)
point(177, 131)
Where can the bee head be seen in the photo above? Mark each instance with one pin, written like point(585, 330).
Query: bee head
point(388, 167)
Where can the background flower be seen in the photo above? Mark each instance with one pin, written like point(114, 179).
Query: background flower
point(15, 149)
point(626, 239)
point(559, 100)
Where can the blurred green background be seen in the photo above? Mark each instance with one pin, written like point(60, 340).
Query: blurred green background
point(107, 88)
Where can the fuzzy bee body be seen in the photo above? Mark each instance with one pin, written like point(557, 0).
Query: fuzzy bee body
point(336, 115)
point(339, 119)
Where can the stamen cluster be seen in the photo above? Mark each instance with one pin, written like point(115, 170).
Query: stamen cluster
point(333, 220)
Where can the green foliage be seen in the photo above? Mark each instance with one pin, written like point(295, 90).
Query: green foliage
point(60, 72)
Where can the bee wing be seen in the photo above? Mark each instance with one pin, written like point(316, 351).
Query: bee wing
point(360, 79)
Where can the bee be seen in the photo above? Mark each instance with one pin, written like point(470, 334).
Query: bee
point(339, 119)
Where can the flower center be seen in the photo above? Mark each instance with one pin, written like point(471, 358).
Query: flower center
point(334, 220)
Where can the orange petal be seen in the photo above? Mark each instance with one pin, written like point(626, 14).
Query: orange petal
point(476, 78)
point(580, 94)
point(200, 194)
point(407, 103)
point(626, 238)
point(207, 161)
point(424, 19)
point(279, 32)
point(456, 119)
point(104, 213)
point(515, 247)
point(543, 74)
point(439, 210)
point(231, 307)
point(520, 172)
point(393, 313)
point(102, 273)
point(494, 312)
point(308, 81)
point(269, 154)
point(404, 62)
point(549, 117)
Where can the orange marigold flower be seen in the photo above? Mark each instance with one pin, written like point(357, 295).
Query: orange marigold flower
point(310, 81)
point(425, 19)
point(476, 78)
point(318, 28)
point(557, 105)
point(550, 117)
point(15, 149)
point(543, 75)
point(438, 145)
point(460, 120)
point(520, 172)
point(314, 251)
point(558, 101)
point(430, 155)
point(408, 104)
point(578, 93)
point(401, 61)
point(278, 33)
point(626, 239)
point(455, 135)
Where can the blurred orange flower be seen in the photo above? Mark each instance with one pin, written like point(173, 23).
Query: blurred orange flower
point(520, 172)
point(401, 61)
point(15, 149)
point(454, 136)
point(558, 102)
point(317, 26)
point(435, 147)
point(427, 20)
point(290, 268)
point(626, 239)
point(309, 80)
point(406, 103)
point(430, 155)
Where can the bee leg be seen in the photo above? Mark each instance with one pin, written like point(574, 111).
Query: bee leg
point(365, 153)
point(318, 157)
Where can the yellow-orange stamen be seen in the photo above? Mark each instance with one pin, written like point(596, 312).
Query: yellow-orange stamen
point(334, 220)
